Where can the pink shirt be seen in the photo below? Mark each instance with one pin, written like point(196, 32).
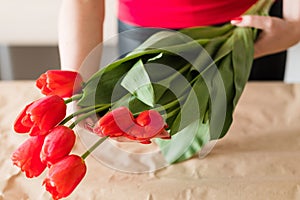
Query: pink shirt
point(180, 13)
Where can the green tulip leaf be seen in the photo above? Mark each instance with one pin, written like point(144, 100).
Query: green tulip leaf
point(138, 83)
point(185, 143)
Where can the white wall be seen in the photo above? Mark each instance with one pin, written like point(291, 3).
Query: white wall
point(293, 65)
point(28, 22)
point(34, 22)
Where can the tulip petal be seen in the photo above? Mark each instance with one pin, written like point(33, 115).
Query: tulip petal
point(27, 157)
point(19, 127)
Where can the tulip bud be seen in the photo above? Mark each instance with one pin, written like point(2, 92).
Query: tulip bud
point(64, 176)
point(115, 123)
point(121, 123)
point(41, 115)
point(60, 82)
point(27, 157)
point(58, 144)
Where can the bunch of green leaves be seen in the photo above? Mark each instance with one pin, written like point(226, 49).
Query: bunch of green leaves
point(194, 77)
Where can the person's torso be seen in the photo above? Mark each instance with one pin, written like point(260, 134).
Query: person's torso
point(180, 13)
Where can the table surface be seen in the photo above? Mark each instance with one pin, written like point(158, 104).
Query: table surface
point(257, 159)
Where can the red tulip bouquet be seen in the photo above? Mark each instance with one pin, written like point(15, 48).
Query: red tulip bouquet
point(178, 89)
point(51, 140)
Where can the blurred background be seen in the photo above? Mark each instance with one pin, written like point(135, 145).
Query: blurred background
point(28, 39)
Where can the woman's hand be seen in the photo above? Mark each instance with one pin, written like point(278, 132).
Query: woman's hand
point(277, 34)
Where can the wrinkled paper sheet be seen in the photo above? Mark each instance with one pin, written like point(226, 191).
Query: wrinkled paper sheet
point(259, 158)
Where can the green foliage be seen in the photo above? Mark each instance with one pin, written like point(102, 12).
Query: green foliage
point(194, 77)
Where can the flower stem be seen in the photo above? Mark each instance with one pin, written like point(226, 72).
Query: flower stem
point(82, 110)
point(73, 98)
point(170, 104)
point(86, 115)
point(173, 112)
point(92, 148)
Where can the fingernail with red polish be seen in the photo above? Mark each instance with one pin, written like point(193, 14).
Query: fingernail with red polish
point(236, 20)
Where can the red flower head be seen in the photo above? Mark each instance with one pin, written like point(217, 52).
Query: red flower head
point(27, 157)
point(59, 82)
point(115, 123)
point(149, 124)
point(64, 176)
point(58, 144)
point(40, 116)
point(120, 122)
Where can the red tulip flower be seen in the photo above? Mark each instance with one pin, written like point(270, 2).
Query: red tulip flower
point(115, 123)
point(27, 157)
point(149, 124)
point(59, 82)
point(40, 116)
point(58, 144)
point(64, 176)
point(121, 123)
